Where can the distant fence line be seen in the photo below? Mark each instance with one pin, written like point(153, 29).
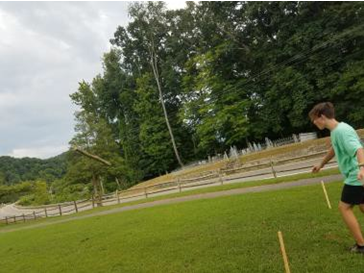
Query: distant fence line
point(253, 147)
point(219, 176)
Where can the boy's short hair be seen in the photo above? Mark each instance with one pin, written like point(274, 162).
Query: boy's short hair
point(324, 108)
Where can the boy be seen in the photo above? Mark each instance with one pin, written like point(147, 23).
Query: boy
point(349, 153)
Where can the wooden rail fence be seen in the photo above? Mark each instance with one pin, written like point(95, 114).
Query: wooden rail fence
point(219, 177)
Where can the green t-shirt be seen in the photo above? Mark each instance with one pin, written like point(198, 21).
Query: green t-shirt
point(346, 142)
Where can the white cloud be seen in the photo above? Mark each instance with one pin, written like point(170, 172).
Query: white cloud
point(41, 152)
point(46, 48)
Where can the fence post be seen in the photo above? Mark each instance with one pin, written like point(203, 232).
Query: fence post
point(6, 219)
point(14, 219)
point(179, 184)
point(273, 170)
point(117, 195)
point(76, 208)
point(45, 212)
point(35, 217)
point(145, 192)
point(60, 210)
point(93, 202)
point(23, 218)
point(221, 179)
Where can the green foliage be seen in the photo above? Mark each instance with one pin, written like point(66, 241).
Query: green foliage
point(10, 194)
point(39, 195)
point(63, 191)
point(96, 135)
point(153, 136)
point(349, 89)
point(16, 170)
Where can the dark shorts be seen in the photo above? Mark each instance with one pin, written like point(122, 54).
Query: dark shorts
point(353, 195)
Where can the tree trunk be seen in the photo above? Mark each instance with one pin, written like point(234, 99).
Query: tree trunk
point(117, 182)
point(156, 76)
point(97, 193)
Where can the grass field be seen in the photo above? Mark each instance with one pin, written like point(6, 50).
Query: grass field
point(230, 234)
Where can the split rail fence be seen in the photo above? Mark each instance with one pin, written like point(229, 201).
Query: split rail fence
point(218, 177)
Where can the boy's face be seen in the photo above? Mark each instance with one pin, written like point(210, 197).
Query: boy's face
point(320, 122)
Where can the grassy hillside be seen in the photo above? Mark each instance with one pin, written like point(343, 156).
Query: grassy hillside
point(230, 234)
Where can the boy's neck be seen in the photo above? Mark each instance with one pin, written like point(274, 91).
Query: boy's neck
point(331, 124)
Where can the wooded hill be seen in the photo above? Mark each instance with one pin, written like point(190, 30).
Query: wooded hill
point(16, 170)
point(30, 178)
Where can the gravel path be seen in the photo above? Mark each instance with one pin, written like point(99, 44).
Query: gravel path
point(176, 200)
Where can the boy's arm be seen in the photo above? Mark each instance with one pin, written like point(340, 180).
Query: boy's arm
point(360, 157)
point(330, 155)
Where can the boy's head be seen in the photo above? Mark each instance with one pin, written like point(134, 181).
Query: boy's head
point(321, 113)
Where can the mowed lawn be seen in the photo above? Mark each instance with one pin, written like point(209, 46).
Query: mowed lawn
point(228, 234)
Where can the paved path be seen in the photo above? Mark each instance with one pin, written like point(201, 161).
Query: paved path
point(210, 195)
point(9, 210)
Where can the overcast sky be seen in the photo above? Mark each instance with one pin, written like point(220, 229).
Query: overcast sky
point(46, 48)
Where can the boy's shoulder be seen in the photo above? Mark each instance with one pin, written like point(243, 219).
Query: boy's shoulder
point(346, 127)
point(343, 129)
point(342, 126)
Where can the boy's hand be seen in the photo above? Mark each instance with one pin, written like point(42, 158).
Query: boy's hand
point(317, 168)
point(361, 174)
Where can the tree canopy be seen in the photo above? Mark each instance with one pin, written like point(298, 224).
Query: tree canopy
point(230, 72)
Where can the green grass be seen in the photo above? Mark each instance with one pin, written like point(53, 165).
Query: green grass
point(229, 234)
point(217, 188)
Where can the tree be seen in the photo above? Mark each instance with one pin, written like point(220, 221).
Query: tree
point(117, 98)
point(148, 28)
point(153, 134)
point(94, 136)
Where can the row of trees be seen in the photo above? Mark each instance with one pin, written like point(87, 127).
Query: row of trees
point(179, 85)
